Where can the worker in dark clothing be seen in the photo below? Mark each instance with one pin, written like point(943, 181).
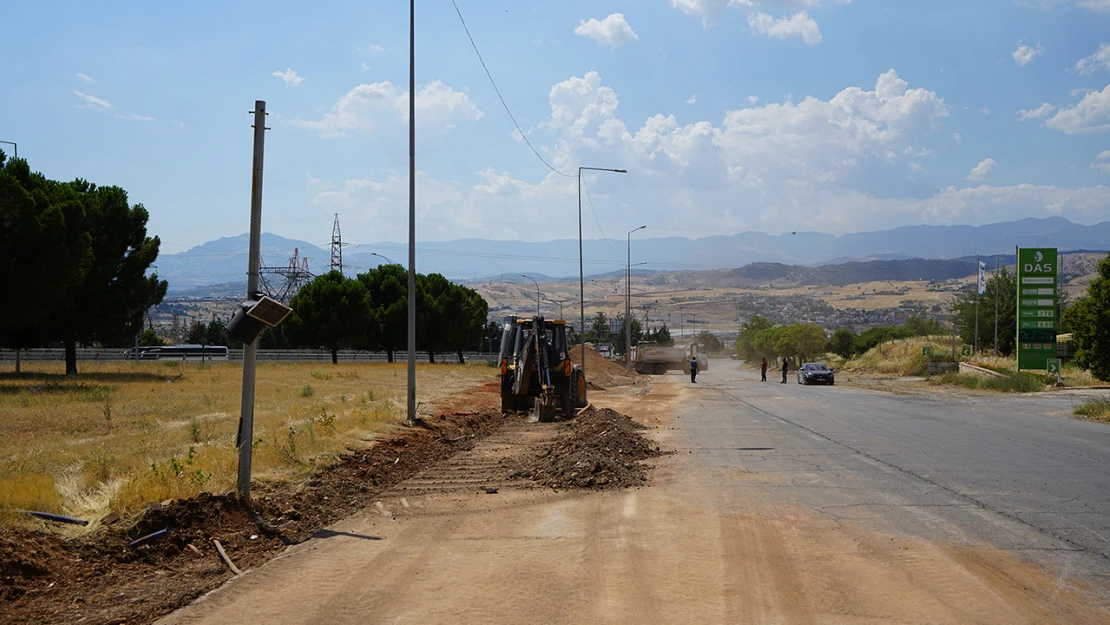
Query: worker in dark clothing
point(694, 370)
point(785, 364)
point(763, 369)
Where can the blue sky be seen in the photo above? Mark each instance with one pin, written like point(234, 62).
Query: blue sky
point(730, 115)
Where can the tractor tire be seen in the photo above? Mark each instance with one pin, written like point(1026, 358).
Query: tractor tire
point(660, 368)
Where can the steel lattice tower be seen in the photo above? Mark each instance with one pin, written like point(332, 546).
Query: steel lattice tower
point(336, 247)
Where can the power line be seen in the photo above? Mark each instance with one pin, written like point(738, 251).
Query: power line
point(596, 220)
point(500, 97)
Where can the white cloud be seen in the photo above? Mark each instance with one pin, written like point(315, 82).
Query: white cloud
point(1043, 110)
point(374, 48)
point(710, 10)
point(1094, 5)
point(753, 100)
point(985, 111)
point(1024, 55)
point(692, 99)
point(367, 107)
point(85, 78)
point(290, 77)
point(1099, 61)
point(365, 67)
point(799, 24)
point(956, 137)
point(138, 118)
point(985, 168)
point(1102, 162)
point(93, 102)
point(1091, 115)
point(178, 124)
point(840, 165)
point(612, 31)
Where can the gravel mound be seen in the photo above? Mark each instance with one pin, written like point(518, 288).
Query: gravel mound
point(601, 373)
point(600, 449)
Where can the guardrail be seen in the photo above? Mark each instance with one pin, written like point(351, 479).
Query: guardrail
point(266, 355)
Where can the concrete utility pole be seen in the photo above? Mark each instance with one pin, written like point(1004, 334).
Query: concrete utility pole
point(628, 304)
point(250, 351)
point(581, 264)
point(411, 413)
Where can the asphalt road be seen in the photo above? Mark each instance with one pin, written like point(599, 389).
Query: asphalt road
point(1010, 471)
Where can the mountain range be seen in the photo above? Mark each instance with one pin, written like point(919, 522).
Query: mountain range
point(225, 260)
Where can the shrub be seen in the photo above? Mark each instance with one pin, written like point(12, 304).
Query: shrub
point(1095, 408)
point(308, 391)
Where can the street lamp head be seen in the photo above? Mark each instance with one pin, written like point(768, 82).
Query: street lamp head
point(620, 171)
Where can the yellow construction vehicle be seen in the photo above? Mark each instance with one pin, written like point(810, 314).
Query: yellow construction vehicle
point(536, 371)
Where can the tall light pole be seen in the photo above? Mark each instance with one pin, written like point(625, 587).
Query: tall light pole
point(581, 264)
point(628, 303)
point(537, 292)
point(411, 413)
point(14, 145)
point(382, 256)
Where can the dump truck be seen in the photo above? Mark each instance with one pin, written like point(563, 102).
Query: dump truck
point(536, 371)
point(649, 358)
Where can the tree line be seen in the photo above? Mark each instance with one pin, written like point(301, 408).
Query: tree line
point(73, 263)
point(760, 338)
point(370, 312)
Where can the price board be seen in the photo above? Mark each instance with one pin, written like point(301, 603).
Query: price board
point(1036, 307)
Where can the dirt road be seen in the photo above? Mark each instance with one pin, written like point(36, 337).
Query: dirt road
point(706, 542)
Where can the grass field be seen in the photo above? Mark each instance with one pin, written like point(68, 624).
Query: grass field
point(122, 435)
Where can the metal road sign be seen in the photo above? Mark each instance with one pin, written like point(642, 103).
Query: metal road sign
point(1052, 365)
point(1036, 307)
point(926, 350)
point(965, 350)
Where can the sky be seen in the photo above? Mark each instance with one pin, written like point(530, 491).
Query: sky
point(832, 116)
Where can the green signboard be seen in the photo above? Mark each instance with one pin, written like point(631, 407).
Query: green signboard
point(1053, 365)
point(926, 350)
point(965, 350)
point(1036, 307)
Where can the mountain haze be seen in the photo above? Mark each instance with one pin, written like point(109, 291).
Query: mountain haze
point(225, 260)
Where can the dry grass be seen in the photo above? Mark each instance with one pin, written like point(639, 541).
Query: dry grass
point(122, 435)
point(900, 357)
point(1096, 408)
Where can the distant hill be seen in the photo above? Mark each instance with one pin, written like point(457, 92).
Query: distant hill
point(761, 256)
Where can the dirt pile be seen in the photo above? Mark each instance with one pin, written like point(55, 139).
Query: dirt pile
point(599, 449)
point(99, 578)
point(602, 373)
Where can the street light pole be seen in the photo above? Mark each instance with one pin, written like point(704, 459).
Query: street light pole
point(537, 292)
point(581, 265)
point(411, 408)
point(628, 303)
point(14, 145)
point(382, 256)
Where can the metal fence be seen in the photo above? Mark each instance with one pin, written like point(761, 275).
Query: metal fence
point(267, 355)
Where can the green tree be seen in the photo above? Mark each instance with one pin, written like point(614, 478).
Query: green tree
point(150, 338)
point(387, 330)
point(840, 343)
point(618, 338)
point(928, 327)
point(661, 336)
point(44, 251)
point(599, 330)
point(709, 341)
point(1089, 318)
point(963, 311)
point(746, 347)
point(468, 329)
point(331, 312)
point(111, 296)
point(808, 340)
point(216, 333)
point(198, 334)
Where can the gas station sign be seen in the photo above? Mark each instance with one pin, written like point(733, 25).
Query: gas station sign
point(1036, 307)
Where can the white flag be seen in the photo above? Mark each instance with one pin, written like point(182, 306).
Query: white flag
point(982, 277)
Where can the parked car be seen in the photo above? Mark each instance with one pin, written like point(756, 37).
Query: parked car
point(815, 373)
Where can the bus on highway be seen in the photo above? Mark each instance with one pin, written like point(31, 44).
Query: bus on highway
point(178, 352)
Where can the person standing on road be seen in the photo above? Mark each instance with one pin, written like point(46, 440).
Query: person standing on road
point(694, 370)
point(785, 365)
point(763, 369)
